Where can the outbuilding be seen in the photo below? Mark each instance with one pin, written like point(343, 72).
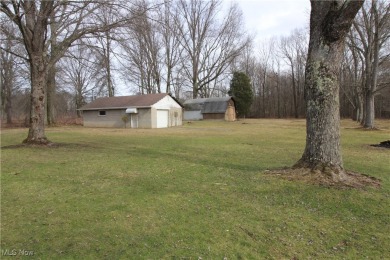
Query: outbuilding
point(210, 108)
point(140, 111)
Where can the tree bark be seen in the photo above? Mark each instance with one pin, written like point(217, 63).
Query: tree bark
point(369, 111)
point(330, 21)
point(50, 96)
point(36, 133)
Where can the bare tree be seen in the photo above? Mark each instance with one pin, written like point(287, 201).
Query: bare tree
point(373, 32)
point(330, 22)
point(169, 32)
point(33, 19)
point(293, 50)
point(7, 80)
point(265, 56)
point(210, 45)
point(12, 71)
point(104, 45)
point(79, 73)
point(143, 49)
point(352, 79)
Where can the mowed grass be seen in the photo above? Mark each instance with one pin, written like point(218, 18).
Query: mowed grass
point(190, 192)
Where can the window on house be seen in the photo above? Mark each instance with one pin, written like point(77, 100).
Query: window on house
point(102, 113)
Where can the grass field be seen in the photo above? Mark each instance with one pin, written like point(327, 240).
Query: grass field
point(193, 192)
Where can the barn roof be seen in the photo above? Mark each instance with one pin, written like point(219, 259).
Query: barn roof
point(125, 101)
point(208, 105)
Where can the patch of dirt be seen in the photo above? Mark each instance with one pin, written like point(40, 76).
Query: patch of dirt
point(351, 179)
point(384, 144)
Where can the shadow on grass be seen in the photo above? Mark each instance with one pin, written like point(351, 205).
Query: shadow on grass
point(198, 157)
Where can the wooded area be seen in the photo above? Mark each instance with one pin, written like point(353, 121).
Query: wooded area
point(58, 55)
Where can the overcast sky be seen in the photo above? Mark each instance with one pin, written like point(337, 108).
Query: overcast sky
point(269, 18)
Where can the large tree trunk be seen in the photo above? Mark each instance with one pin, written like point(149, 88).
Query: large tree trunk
point(329, 24)
point(322, 104)
point(369, 111)
point(50, 96)
point(36, 133)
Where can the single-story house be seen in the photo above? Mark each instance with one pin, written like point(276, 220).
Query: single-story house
point(140, 111)
point(210, 108)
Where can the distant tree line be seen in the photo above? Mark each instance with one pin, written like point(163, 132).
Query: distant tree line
point(188, 48)
point(277, 71)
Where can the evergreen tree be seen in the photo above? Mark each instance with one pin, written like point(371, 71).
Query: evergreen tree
point(241, 90)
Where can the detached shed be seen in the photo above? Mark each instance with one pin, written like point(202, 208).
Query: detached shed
point(210, 108)
point(142, 111)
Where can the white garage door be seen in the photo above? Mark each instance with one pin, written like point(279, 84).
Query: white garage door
point(162, 118)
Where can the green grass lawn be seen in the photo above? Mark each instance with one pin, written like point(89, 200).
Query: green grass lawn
point(190, 192)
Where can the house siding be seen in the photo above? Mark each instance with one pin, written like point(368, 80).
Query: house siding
point(113, 118)
point(175, 117)
point(144, 118)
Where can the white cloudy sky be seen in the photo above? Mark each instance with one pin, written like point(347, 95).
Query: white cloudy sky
point(269, 18)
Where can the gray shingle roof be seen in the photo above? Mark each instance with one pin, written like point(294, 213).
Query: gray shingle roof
point(208, 105)
point(124, 102)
